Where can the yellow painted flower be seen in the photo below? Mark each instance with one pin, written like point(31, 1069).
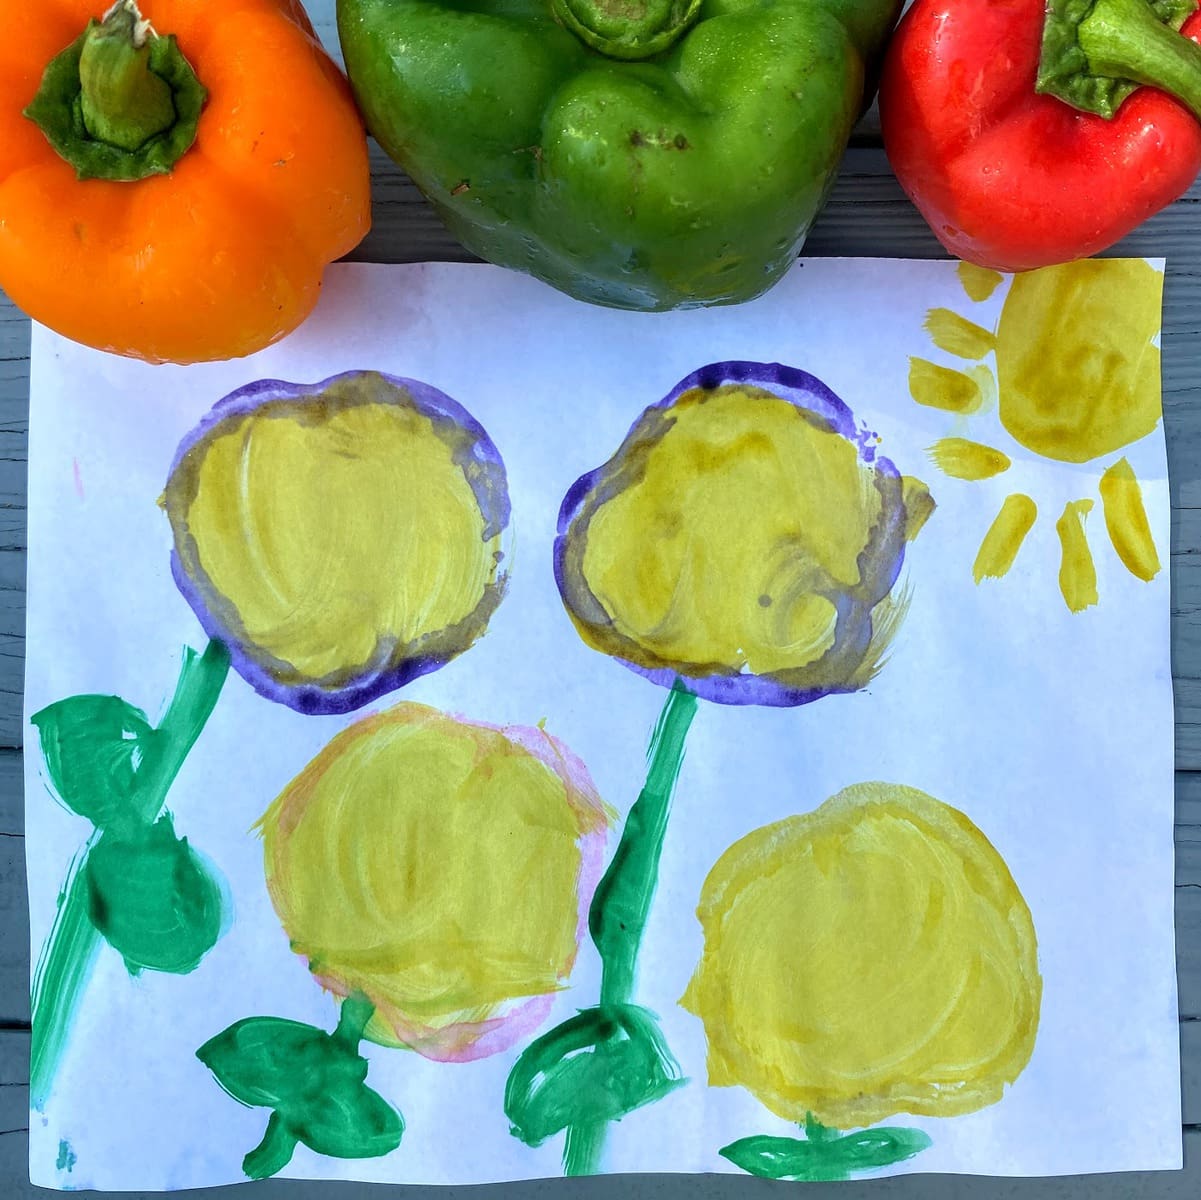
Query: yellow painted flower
point(1076, 379)
point(442, 868)
point(745, 537)
point(341, 538)
point(870, 958)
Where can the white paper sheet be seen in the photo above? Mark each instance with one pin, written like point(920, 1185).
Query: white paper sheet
point(1050, 730)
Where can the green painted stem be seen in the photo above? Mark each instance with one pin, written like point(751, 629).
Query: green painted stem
point(201, 679)
point(273, 1153)
point(825, 1155)
point(62, 972)
point(623, 897)
point(353, 1018)
point(585, 1143)
point(70, 951)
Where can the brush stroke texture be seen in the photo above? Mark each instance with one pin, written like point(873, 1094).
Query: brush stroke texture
point(824, 1155)
point(935, 386)
point(957, 335)
point(978, 282)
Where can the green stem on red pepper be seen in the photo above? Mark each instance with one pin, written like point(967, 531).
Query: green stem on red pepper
point(1096, 52)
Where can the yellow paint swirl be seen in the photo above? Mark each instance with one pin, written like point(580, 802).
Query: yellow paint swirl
point(1077, 366)
point(438, 866)
point(339, 537)
point(870, 958)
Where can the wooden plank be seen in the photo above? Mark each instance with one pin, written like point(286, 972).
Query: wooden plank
point(14, 942)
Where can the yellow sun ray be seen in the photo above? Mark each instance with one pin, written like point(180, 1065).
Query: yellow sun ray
point(957, 335)
point(1126, 520)
point(1004, 537)
point(943, 387)
point(979, 282)
point(964, 459)
point(1077, 572)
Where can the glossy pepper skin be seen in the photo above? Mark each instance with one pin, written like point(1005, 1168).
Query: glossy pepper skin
point(222, 254)
point(685, 178)
point(1008, 178)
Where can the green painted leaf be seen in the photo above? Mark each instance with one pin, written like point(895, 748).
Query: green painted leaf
point(314, 1083)
point(827, 1157)
point(268, 1061)
point(597, 1066)
point(92, 747)
point(348, 1123)
point(154, 899)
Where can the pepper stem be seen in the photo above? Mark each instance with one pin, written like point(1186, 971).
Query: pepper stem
point(122, 100)
point(1124, 39)
point(1095, 53)
point(627, 29)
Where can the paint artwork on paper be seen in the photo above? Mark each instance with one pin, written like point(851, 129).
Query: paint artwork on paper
point(742, 546)
point(506, 820)
point(285, 502)
point(1075, 380)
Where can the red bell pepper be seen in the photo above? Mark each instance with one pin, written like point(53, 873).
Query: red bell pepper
point(1024, 147)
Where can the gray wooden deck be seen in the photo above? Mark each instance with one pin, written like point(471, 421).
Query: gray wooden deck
point(867, 215)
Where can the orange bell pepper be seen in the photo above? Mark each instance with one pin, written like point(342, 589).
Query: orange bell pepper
point(188, 242)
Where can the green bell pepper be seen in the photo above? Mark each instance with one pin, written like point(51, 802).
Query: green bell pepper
point(644, 154)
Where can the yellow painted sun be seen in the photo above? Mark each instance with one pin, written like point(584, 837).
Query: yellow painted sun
point(1072, 365)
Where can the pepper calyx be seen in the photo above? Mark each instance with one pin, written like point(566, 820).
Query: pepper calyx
point(1095, 53)
point(627, 29)
point(120, 102)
